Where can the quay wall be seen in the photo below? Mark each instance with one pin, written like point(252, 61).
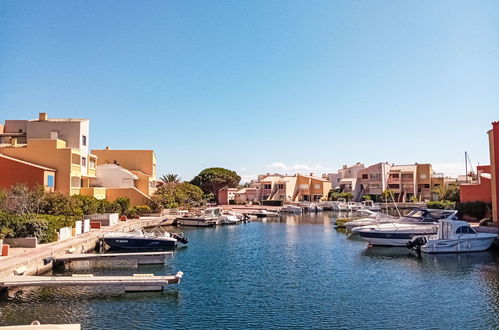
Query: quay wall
point(33, 259)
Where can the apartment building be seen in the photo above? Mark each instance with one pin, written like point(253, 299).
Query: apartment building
point(373, 181)
point(291, 188)
point(57, 144)
point(131, 173)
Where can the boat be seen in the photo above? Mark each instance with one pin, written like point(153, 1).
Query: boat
point(353, 206)
point(420, 221)
point(143, 241)
point(292, 209)
point(265, 214)
point(231, 218)
point(211, 217)
point(453, 236)
point(342, 205)
point(372, 218)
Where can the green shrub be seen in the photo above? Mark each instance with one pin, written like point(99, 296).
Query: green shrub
point(60, 204)
point(105, 206)
point(123, 204)
point(443, 205)
point(477, 210)
point(87, 204)
point(366, 198)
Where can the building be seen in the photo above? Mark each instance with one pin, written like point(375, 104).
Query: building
point(58, 144)
point(494, 168)
point(244, 195)
point(289, 188)
point(346, 179)
point(15, 171)
point(373, 181)
point(126, 173)
point(479, 190)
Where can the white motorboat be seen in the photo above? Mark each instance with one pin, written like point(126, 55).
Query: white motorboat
point(212, 216)
point(418, 222)
point(372, 218)
point(231, 218)
point(342, 205)
point(291, 209)
point(453, 236)
point(353, 206)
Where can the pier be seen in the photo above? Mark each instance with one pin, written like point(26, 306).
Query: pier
point(137, 282)
point(127, 260)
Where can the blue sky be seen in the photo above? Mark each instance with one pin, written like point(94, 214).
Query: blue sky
point(260, 86)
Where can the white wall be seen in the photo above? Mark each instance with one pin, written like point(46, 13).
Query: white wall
point(114, 176)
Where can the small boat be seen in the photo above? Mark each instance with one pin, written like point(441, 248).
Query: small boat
point(141, 241)
point(266, 214)
point(342, 205)
point(292, 209)
point(211, 217)
point(453, 236)
point(418, 222)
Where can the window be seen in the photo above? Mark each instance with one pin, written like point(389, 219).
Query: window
point(427, 186)
point(393, 186)
point(84, 140)
point(83, 161)
point(50, 181)
point(267, 186)
point(20, 130)
point(280, 186)
point(364, 176)
point(407, 176)
point(92, 163)
point(465, 230)
point(396, 176)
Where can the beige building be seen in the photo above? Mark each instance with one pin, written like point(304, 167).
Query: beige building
point(60, 144)
point(140, 163)
point(291, 188)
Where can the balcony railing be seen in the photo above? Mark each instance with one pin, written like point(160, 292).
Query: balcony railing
point(91, 172)
point(74, 191)
point(75, 170)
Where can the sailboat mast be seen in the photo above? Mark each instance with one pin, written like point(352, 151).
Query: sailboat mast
point(466, 164)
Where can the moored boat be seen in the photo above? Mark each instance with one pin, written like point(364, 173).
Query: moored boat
point(417, 223)
point(453, 237)
point(141, 241)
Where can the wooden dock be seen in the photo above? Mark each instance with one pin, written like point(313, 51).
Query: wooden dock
point(142, 258)
point(137, 282)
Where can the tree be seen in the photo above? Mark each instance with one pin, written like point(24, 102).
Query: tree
point(211, 180)
point(167, 178)
point(451, 193)
point(174, 195)
point(123, 203)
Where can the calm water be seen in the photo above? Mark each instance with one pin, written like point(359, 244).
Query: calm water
point(297, 272)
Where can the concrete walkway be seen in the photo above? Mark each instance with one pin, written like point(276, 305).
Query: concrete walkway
point(32, 259)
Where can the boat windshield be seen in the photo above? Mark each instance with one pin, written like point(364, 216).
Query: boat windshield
point(431, 216)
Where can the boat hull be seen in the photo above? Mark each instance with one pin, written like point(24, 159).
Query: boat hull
point(196, 223)
point(142, 244)
point(458, 246)
point(390, 238)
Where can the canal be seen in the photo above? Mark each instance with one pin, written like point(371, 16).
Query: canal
point(293, 272)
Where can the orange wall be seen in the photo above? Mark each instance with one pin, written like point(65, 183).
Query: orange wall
point(223, 197)
point(14, 172)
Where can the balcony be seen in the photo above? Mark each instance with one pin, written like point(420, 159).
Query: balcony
point(75, 170)
point(74, 191)
point(91, 172)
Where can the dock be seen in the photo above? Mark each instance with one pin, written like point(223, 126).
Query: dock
point(137, 282)
point(142, 258)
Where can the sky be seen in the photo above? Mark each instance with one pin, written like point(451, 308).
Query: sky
point(261, 86)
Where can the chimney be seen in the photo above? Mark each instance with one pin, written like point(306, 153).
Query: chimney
point(107, 148)
point(42, 116)
point(344, 166)
point(311, 174)
point(13, 141)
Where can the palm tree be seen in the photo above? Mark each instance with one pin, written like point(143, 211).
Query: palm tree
point(167, 178)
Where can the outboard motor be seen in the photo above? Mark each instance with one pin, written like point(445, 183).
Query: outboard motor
point(180, 238)
point(417, 242)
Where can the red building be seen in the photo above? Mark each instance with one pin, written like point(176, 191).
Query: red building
point(14, 171)
point(480, 191)
point(494, 168)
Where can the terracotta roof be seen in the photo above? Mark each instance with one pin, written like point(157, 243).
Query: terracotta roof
point(28, 163)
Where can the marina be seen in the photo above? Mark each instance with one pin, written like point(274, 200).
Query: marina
point(257, 274)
